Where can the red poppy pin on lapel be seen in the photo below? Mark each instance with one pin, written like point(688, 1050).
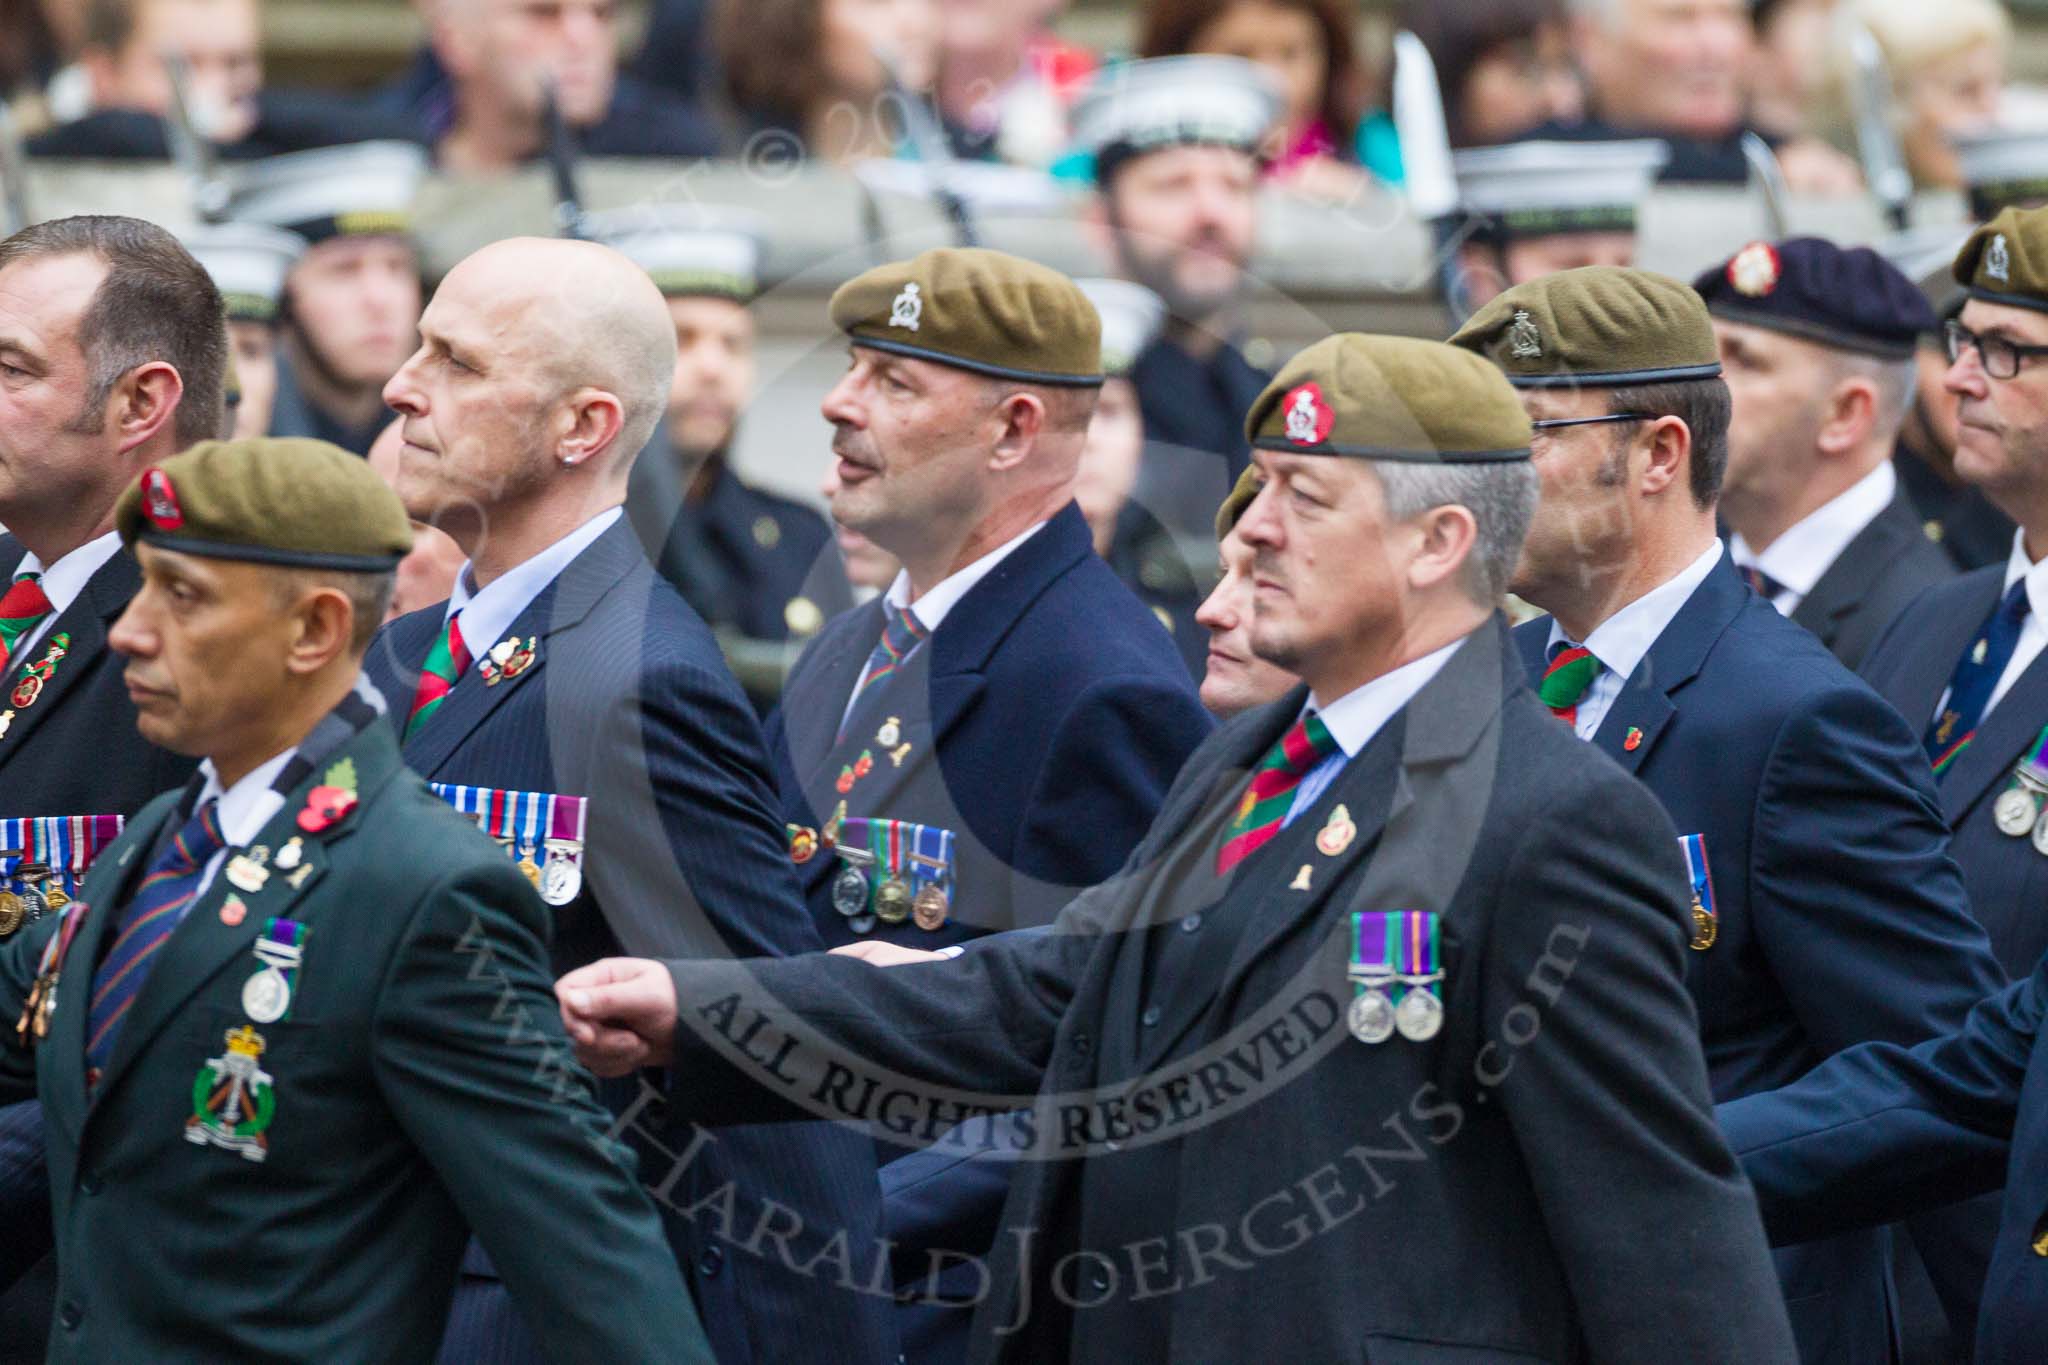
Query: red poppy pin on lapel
point(329, 803)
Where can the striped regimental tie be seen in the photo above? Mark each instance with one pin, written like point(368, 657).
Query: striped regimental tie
point(145, 925)
point(901, 633)
point(446, 661)
point(1266, 801)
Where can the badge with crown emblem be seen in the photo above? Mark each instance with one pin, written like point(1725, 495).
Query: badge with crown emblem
point(907, 308)
point(233, 1100)
point(1309, 418)
point(1998, 260)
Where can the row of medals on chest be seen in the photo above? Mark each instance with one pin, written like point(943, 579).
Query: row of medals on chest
point(2022, 808)
point(41, 893)
point(894, 900)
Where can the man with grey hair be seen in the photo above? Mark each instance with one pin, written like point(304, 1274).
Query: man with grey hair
point(562, 667)
point(1817, 345)
point(113, 351)
point(1762, 747)
point(1308, 1021)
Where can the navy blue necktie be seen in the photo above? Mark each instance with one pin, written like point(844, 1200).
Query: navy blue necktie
point(1976, 675)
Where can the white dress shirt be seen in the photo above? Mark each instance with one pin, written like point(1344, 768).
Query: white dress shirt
point(1360, 714)
point(486, 614)
point(1621, 641)
point(939, 600)
point(2033, 629)
point(245, 808)
point(62, 583)
point(1797, 559)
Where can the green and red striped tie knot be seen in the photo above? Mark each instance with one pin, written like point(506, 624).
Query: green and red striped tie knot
point(901, 632)
point(1266, 801)
point(21, 608)
point(447, 661)
point(1566, 680)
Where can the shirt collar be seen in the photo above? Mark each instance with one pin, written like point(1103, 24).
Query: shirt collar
point(487, 613)
point(63, 581)
point(944, 595)
point(1354, 718)
point(248, 806)
point(2018, 566)
point(1621, 641)
point(1802, 554)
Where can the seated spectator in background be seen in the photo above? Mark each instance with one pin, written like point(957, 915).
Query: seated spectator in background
point(1005, 81)
point(1789, 73)
point(351, 306)
point(825, 72)
point(479, 96)
point(1504, 67)
point(1948, 67)
point(1535, 208)
point(427, 573)
point(1680, 70)
point(124, 46)
point(248, 265)
point(1306, 46)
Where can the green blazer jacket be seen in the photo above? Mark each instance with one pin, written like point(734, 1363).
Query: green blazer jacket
point(420, 1086)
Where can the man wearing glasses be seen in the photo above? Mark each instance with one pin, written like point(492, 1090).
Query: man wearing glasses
point(1826, 910)
point(1964, 663)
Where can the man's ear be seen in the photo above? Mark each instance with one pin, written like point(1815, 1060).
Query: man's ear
point(588, 426)
point(1447, 535)
point(326, 629)
point(1023, 420)
point(1851, 414)
point(1669, 441)
point(145, 401)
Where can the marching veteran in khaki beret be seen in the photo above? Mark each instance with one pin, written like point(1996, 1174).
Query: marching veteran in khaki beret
point(1354, 891)
point(270, 1034)
point(1761, 746)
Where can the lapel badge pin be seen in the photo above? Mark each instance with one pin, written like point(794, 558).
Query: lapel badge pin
point(290, 855)
point(508, 659)
point(6, 719)
point(233, 911)
point(36, 674)
point(898, 754)
point(1634, 739)
point(332, 800)
point(1300, 882)
point(803, 844)
point(246, 874)
point(1336, 835)
point(1977, 654)
point(891, 733)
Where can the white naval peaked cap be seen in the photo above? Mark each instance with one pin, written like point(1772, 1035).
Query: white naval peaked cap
point(1538, 187)
point(687, 249)
point(1145, 106)
point(1132, 316)
point(362, 188)
point(248, 263)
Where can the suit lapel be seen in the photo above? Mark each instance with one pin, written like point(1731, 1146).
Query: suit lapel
point(1632, 726)
point(1928, 669)
point(86, 621)
point(818, 692)
point(2007, 733)
point(559, 606)
point(1843, 585)
point(202, 945)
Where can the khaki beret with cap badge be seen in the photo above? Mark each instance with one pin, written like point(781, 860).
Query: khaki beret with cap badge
point(1390, 398)
point(2006, 260)
point(292, 502)
point(1240, 497)
point(1596, 327)
point(979, 310)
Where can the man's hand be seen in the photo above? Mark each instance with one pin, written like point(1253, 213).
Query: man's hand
point(877, 953)
point(620, 1013)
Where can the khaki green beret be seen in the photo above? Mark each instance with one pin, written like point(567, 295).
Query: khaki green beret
point(1232, 511)
point(1599, 326)
point(978, 310)
point(1390, 398)
point(298, 503)
point(2006, 260)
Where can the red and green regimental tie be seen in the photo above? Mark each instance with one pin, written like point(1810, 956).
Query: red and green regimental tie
point(1264, 807)
point(446, 661)
point(1565, 682)
point(21, 608)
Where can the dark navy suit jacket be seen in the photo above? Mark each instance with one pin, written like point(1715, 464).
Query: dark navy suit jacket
point(1910, 667)
point(1842, 916)
point(1888, 564)
point(629, 704)
point(75, 751)
point(1045, 718)
point(1880, 1131)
